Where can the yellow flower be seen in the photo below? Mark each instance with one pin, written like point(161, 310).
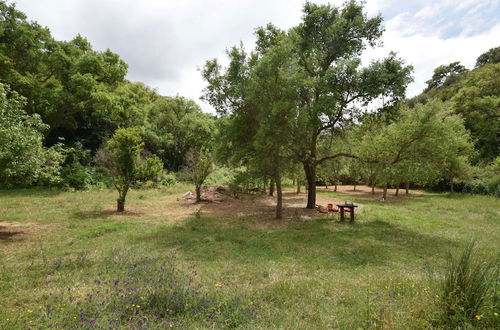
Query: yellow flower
point(496, 314)
point(478, 317)
point(218, 285)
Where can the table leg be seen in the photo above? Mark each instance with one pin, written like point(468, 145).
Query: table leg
point(341, 214)
point(352, 214)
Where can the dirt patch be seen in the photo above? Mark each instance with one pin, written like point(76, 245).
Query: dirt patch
point(11, 232)
point(212, 193)
point(261, 209)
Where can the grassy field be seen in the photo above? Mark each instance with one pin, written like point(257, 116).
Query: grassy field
point(67, 260)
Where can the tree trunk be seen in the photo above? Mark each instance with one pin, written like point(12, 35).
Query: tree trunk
point(120, 204)
point(198, 194)
point(452, 189)
point(311, 185)
point(298, 186)
point(354, 186)
point(279, 201)
point(407, 187)
point(397, 190)
point(335, 187)
point(373, 189)
point(385, 192)
point(271, 187)
point(122, 194)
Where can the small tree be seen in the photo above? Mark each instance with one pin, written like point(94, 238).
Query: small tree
point(198, 167)
point(124, 151)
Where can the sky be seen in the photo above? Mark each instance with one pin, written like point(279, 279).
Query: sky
point(166, 42)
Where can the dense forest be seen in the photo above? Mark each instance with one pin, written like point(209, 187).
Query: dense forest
point(297, 107)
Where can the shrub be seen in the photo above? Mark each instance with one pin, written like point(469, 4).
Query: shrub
point(465, 287)
point(78, 176)
point(244, 181)
point(150, 169)
point(168, 179)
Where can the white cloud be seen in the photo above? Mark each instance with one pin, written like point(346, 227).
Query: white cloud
point(165, 41)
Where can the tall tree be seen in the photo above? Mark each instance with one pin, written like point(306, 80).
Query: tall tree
point(331, 89)
point(335, 89)
point(24, 160)
point(491, 56)
point(444, 74)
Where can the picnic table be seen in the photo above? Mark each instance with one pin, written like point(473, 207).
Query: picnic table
point(350, 208)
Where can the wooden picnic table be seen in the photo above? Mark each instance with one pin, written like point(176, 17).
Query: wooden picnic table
point(351, 208)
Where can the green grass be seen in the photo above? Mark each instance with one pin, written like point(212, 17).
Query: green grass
point(301, 274)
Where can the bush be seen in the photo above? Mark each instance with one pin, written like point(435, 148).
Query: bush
point(78, 176)
point(168, 179)
point(465, 288)
point(150, 169)
point(245, 181)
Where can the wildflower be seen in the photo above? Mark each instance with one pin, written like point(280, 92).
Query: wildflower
point(479, 317)
point(496, 314)
point(218, 285)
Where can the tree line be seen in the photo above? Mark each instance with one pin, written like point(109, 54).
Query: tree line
point(300, 104)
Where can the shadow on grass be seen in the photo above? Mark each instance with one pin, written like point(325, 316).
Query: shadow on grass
point(313, 242)
point(102, 214)
point(6, 234)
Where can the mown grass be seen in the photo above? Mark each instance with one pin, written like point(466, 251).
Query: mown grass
point(304, 274)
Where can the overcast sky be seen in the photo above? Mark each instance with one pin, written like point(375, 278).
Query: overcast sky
point(164, 42)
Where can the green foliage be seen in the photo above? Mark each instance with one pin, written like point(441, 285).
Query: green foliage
point(466, 287)
point(283, 98)
point(174, 126)
point(79, 176)
point(422, 145)
point(491, 56)
point(478, 101)
point(24, 161)
point(123, 160)
point(445, 75)
point(221, 175)
point(150, 169)
point(245, 181)
point(168, 179)
point(486, 180)
point(475, 96)
point(199, 165)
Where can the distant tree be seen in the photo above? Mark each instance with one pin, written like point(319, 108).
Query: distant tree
point(24, 161)
point(492, 56)
point(123, 160)
point(445, 72)
point(330, 171)
point(199, 165)
point(174, 126)
point(477, 100)
point(424, 143)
